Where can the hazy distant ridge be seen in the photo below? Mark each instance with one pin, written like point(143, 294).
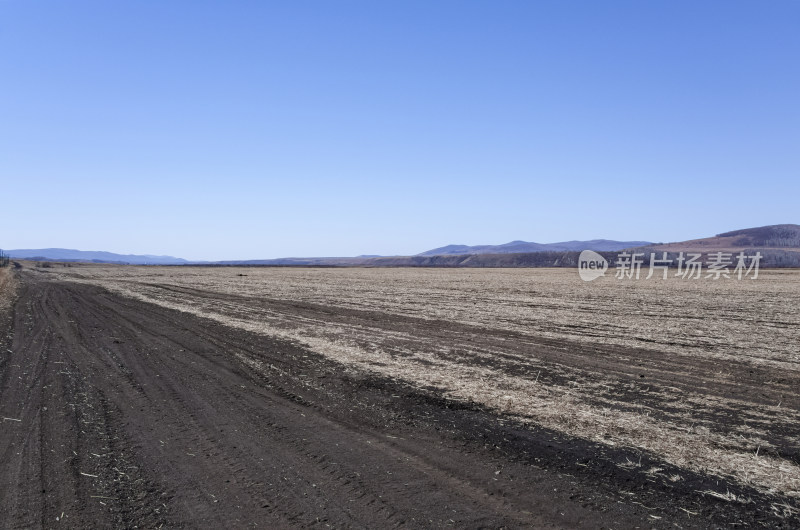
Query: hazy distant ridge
point(66, 254)
point(518, 247)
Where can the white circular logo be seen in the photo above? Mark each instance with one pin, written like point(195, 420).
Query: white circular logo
point(591, 265)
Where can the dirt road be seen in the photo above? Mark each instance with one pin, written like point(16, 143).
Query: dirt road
point(118, 413)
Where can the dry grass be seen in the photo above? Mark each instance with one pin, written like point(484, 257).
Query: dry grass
point(7, 288)
point(754, 322)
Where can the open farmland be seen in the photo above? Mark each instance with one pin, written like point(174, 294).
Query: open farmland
point(419, 397)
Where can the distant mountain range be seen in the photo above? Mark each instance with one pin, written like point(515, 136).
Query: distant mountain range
point(779, 243)
point(518, 247)
point(66, 254)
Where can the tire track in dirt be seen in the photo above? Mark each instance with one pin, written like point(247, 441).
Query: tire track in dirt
point(59, 445)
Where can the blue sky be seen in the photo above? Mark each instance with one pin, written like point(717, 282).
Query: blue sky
point(231, 130)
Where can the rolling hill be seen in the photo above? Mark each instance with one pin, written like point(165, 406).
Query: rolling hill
point(786, 237)
point(779, 245)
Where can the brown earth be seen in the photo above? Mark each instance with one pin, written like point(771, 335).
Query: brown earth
point(120, 413)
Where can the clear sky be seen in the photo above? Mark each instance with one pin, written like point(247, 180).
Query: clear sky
point(260, 129)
